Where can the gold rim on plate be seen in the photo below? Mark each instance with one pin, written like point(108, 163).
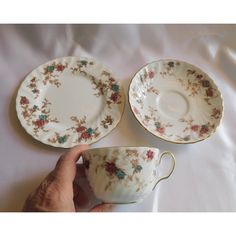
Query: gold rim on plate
point(46, 113)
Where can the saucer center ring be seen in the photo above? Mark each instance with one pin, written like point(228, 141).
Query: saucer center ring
point(173, 104)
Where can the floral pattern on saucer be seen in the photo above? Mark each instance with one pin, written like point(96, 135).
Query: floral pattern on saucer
point(36, 110)
point(200, 101)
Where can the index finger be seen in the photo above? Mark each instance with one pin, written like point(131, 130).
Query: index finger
point(66, 166)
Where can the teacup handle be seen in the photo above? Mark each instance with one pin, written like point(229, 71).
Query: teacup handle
point(172, 168)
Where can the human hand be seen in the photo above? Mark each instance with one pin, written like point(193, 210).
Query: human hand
point(58, 191)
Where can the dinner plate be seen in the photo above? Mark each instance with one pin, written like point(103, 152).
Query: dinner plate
point(176, 101)
point(69, 101)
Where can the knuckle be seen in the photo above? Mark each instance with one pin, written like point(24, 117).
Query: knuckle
point(47, 196)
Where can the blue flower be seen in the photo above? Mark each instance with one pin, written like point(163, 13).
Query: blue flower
point(62, 139)
point(50, 68)
point(83, 63)
point(120, 174)
point(43, 117)
point(171, 64)
point(115, 87)
point(89, 130)
point(205, 83)
point(157, 124)
point(138, 168)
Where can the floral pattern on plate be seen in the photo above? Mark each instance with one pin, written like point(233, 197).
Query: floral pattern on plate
point(35, 116)
point(187, 108)
point(101, 86)
point(45, 113)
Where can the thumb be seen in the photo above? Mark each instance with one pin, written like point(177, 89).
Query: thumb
point(65, 169)
point(103, 208)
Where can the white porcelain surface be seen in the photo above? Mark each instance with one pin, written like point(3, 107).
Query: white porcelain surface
point(210, 165)
point(176, 101)
point(70, 101)
point(123, 174)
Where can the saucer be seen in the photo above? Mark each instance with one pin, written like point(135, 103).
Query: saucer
point(70, 101)
point(176, 101)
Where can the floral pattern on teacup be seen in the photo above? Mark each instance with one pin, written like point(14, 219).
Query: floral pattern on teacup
point(135, 161)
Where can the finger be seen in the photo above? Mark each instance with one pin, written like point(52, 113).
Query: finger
point(72, 156)
point(80, 171)
point(80, 197)
point(65, 169)
point(103, 208)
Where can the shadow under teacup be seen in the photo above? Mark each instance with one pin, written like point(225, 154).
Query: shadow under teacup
point(124, 174)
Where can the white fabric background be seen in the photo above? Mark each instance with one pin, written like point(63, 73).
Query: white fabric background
point(205, 174)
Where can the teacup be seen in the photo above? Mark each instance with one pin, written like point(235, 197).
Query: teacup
point(124, 174)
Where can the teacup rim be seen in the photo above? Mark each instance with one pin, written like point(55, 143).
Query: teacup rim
point(121, 147)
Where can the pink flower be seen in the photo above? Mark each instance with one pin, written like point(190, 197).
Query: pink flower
point(204, 129)
point(194, 128)
point(136, 111)
point(161, 130)
point(40, 123)
point(60, 67)
point(209, 92)
point(151, 74)
point(114, 97)
point(24, 100)
point(85, 135)
point(150, 155)
point(80, 129)
point(110, 168)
